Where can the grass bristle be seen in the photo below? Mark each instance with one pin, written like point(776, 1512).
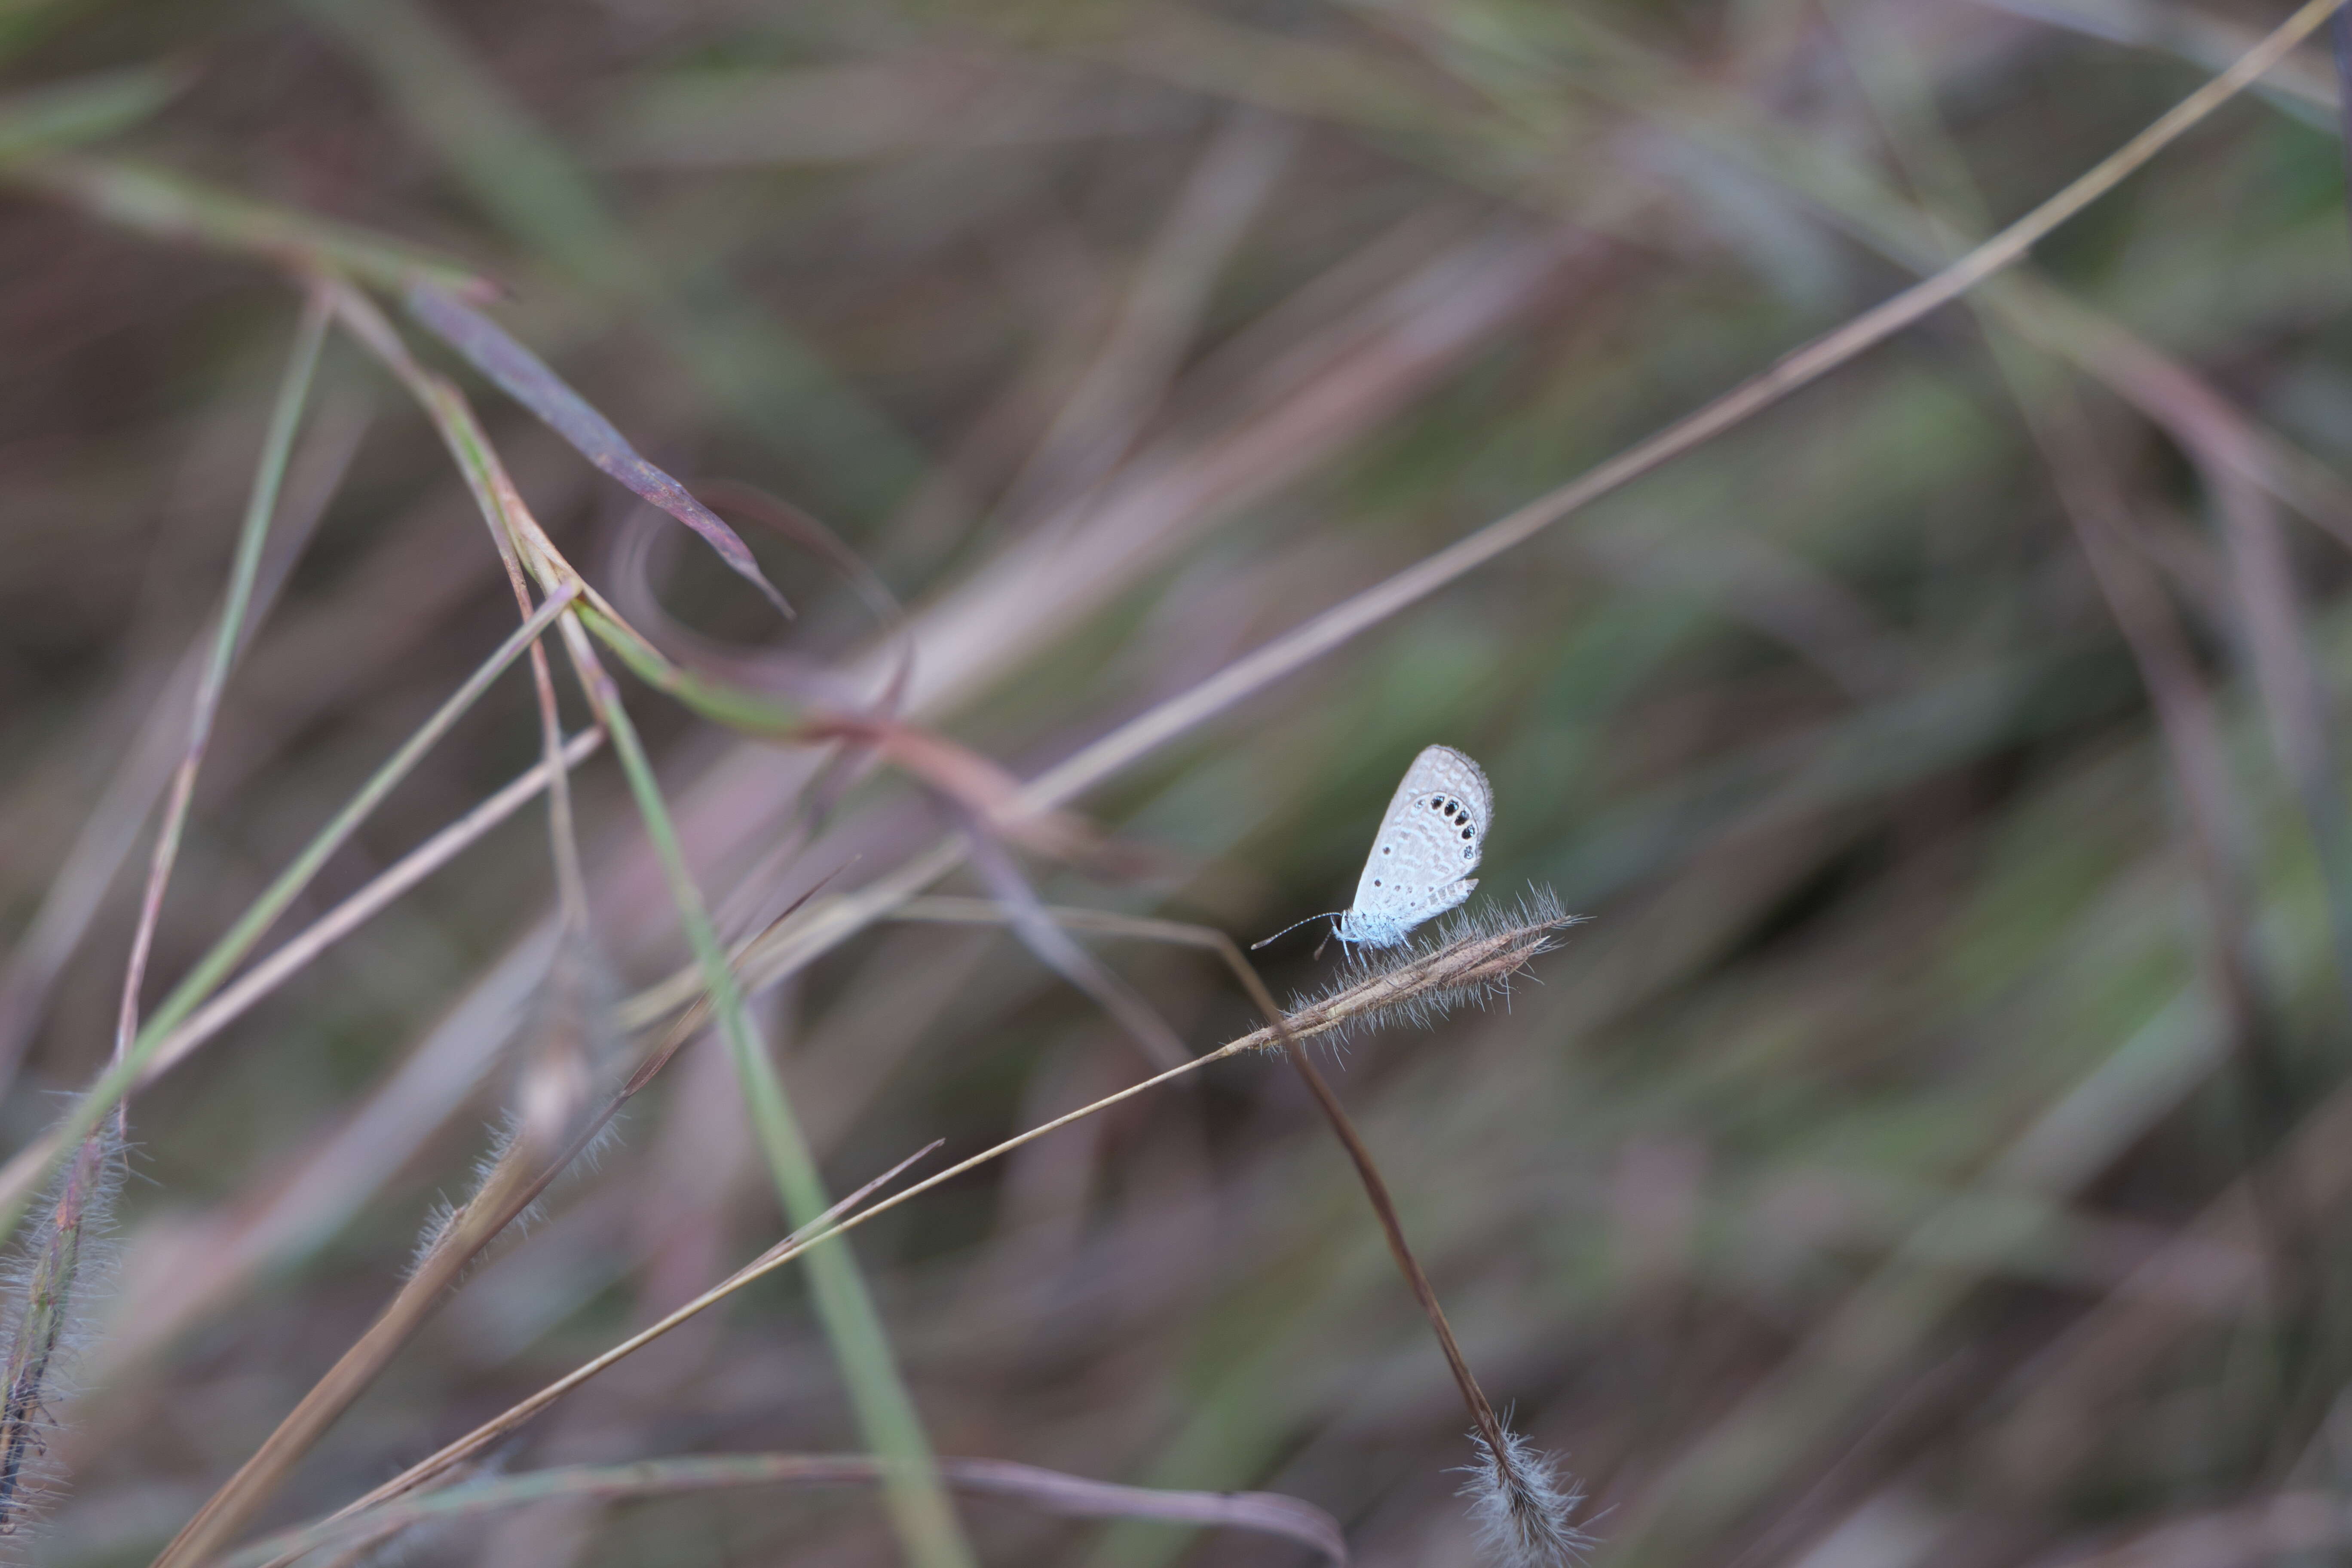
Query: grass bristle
point(1523, 1508)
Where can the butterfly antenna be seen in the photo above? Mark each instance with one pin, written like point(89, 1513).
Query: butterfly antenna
point(1326, 915)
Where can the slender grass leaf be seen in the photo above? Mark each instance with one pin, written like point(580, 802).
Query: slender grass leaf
point(168, 206)
point(83, 109)
point(526, 378)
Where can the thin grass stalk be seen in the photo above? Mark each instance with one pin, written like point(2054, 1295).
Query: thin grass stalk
point(107, 834)
point(169, 206)
point(487, 1213)
point(1521, 1507)
point(509, 1186)
point(496, 496)
point(2296, 704)
point(827, 925)
point(504, 1192)
point(437, 1465)
point(46, 1315)
point(107, 1089)
point(1473, 964)
point(1792, 371)
point(55, 1283)
point(564, 1061)
point(919, 1505)
point(234, 1000)
point(2091, 496)
point(278, 447)
point(1049, 1491)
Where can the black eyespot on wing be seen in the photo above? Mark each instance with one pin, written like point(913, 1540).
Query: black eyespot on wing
point(1384, 849)
point(1376, 881)
point(1466, 833)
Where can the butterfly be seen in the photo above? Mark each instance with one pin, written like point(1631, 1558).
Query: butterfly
point(1420, 860)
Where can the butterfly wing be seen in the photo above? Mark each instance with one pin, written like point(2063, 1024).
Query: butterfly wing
point(1430, 841)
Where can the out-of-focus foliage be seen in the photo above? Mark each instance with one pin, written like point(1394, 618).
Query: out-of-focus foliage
point(1934, 1150)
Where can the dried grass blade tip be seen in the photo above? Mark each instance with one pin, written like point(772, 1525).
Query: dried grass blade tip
point(526, 378)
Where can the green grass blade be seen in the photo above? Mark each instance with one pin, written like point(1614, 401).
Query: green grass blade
point(171, 209)
point(525, 377)
point(529, 185)
point(917, 1500)
point(84, 110)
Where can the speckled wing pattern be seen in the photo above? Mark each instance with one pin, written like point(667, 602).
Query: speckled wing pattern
point(1428, 845)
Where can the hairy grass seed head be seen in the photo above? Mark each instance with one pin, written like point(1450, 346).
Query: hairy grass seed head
point(1523, 1508)
point(1470, 962)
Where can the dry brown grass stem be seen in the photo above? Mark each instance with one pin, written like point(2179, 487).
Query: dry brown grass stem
point(512, 1184)
point(830, 922)
point(57, 1278)
point(2095, 499)
point(1049, 1491)
point(432, 1467)
point(278, 447)
point(1469, 961)
point(1793, 371)
point(1474, 962)
point(108, 835)
point(1520, 1505)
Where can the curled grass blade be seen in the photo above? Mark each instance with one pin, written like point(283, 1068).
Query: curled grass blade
point(525, 377)
point(528, 182)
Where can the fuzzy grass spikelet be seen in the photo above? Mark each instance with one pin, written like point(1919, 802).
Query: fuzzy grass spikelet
point(1521, 1505)
point(1470, 962)
point(48, 1291)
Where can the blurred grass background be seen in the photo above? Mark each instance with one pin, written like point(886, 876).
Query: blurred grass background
point(1936, 1150)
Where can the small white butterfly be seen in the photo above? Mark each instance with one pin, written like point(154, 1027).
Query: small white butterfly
point(1428, 842)
point(1428, 845)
